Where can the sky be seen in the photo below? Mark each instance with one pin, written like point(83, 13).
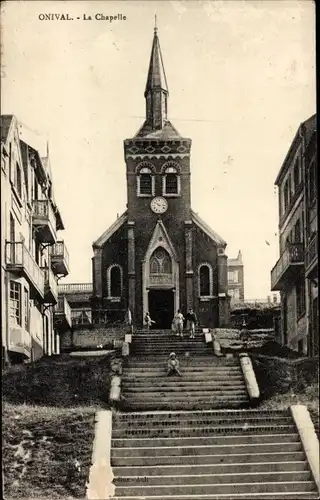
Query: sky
point(241, 77)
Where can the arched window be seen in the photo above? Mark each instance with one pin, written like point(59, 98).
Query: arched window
point(160, 262)
point(114, 280)
point(171, 181)
point(205, 280)
point(145, 182)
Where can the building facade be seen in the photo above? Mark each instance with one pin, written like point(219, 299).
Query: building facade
point(32, 258)
point(159, 255)
point(294, 274)
point(236, 279)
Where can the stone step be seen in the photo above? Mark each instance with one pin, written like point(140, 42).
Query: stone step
point(198, 431)
point(177, 396)
point(166, 348)
point(186, 387)
point(142, 489)
point(154, 334)
point(169, 339)
point(180, 351)
point(181, 415)
point(197, 377)
point(213, 479)
point(162, 361)
point(209, 358)
point(275, 437)
point(178, 391)
point(294, 453)
point(205, 422)
point(219, 449)
point(166, 342)
point(182, 405)
point(288, 495)
point(181, 382)
point(169, 400)
point(212, 369)
point(192, 470)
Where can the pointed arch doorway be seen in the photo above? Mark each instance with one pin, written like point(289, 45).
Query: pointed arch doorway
point(160, 279)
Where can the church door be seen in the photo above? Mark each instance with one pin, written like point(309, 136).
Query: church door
point(161, 308)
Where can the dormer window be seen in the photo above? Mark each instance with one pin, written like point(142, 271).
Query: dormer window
point(145, 182)
point(171, 182)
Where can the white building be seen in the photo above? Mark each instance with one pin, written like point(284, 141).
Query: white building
point(32, 258)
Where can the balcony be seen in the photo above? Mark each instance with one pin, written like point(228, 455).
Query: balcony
point(19, 260)
point(59, 258)
point(62, 314)
point(77, 292)
point(44, 221)
point(19, 341)
point(50, 287)
point(289, 262)
point(76, 288)
point(311, 261)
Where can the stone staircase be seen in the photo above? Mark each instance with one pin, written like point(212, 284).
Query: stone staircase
point(235, 454)
point(194, 437)
point(207, 382)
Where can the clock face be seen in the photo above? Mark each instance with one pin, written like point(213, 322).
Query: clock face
point(159, 205)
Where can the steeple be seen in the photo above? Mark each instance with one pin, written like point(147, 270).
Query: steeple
point(156, 92)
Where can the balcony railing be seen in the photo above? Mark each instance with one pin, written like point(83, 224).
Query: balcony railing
point(62, 313)
point(50, 286)
point(19, 259)
point(292, 257)
point(43, 217)
point(59, 258)
point(76, 288)
point(312, 254)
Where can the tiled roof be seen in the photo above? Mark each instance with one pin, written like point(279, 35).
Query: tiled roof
point(110, 231)
point(207, 229)
point(5, 123)
point(166, 133)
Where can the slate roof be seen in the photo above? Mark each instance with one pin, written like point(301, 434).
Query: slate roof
point(110, 231)
point(156, 75)
point(207, 229)
point(166, 133)
point(5, 123)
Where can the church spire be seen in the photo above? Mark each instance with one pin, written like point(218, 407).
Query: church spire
point(156, 92)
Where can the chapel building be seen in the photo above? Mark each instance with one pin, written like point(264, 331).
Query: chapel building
point(159, 255)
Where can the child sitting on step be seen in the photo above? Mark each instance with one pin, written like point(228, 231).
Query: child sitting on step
point(173, 365)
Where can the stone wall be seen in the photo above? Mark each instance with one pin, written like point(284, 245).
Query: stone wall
point(277, 375)
point(230, 340)
point(90, 338)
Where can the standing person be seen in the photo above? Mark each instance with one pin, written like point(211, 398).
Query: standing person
point(191, 323)
point(173, 365)
point(128, 319)
point(178, 321)
point(148, 321)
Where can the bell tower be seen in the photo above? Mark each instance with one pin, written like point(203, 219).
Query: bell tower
point(158, 189)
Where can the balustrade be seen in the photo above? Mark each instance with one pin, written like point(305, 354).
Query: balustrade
point(293, 255)
point(19, 259)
